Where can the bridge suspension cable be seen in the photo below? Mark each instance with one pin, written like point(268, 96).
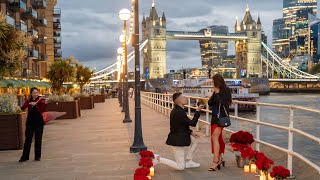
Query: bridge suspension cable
point(283, 69)
point(113, 67)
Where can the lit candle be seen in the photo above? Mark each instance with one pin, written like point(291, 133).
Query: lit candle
point(149, 177)
point(151, 171)
point(246, 168)
point(262, 176)
point(253, 168)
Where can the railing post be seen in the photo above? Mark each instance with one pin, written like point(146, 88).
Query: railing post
point(236, 114)
point(197, 127)
point(258, 128)
point(207, 119)
point(165, 104)
point(162, 99)
point(290, 140)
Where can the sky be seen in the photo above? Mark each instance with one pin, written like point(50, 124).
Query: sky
point(91, 29)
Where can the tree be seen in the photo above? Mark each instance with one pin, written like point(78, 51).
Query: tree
point(83, 75)
point(12, 48)
point(61, 71)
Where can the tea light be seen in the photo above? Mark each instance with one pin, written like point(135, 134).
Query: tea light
point(269, 177)
point(262, 176)
point(246, 168)
point(253, 168)
point(151, 171)
point(149, 177)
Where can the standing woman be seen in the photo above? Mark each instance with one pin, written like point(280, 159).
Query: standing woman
point(36, 106)
point(221, 97)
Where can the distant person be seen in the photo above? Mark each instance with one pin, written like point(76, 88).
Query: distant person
point(220, 100)
point(36, 106)
point(131, 92)
point(181, 136)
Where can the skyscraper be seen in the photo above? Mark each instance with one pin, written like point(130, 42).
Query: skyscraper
point(215, 51)
point(314, 41)
point(290, 33)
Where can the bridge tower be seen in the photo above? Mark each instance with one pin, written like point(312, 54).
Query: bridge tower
point(154, 53)
point(248, 52)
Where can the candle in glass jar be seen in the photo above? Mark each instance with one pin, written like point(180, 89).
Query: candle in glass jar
point(151, 171)
point(253, 168)
point(269, 177)
point(246, 168)
point(149, 177)
point(262, 176)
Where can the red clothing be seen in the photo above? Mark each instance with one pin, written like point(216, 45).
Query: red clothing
point(221, 142)
point(41, 105)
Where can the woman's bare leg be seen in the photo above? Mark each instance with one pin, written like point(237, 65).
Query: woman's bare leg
point(216, 145)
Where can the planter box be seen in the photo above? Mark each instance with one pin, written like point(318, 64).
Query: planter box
point(86, 103)
point(71, 108)
point(99, 99)
point(12, 130)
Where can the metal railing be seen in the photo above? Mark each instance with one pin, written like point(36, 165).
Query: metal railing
point(163, 103)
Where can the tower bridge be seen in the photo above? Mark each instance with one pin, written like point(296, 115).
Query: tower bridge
point(250, 62)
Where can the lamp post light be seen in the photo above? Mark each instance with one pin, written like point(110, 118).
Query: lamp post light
point(120, 80)
point(125, 15)
point(138, 144)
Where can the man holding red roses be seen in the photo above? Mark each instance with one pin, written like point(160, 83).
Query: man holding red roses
point(181, 135)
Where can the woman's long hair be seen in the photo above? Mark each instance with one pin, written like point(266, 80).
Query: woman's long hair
point(219, 82)
point(31, 90)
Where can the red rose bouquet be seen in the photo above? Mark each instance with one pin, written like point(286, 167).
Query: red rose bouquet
point(141, 174)
point(145, 162)
point(148, 154)
point(248, 153)
point(279, 173)
point(241, 140)
point(263, 163)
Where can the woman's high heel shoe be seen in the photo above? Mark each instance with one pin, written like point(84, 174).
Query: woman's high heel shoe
point(223, 162)
point(214, 169)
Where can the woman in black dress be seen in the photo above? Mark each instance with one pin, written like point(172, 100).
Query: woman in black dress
point(221, 97)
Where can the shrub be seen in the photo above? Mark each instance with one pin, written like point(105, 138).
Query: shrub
point(61, 98)
point(80, 95)
point(9, 104)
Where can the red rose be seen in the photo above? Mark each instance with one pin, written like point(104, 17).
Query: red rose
point(145, 162)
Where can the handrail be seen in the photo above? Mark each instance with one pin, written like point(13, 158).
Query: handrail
point(163, 103)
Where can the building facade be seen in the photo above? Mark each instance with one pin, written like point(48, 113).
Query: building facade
point(57, 34)
point(215, 51)
point(248, 52)
point(314, 42)
point(154, 54)
point(35, 18)
point(291, 32)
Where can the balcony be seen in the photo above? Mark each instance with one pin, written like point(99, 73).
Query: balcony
point(57, 46)
point(43, 57)
point(57, 40)
point(39, 4)
point(11, 21)
point(18, 6)
point(33, 54)
point(30, 14)
point(40, 22)
point(56, 20)
point(57, 34)
point(58, 54)
point(40, 40)
point(22, 27)
point(34, 33)
point(57, 12)
point(57, 26)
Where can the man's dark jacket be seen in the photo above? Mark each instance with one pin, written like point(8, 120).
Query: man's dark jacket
point(180, 127)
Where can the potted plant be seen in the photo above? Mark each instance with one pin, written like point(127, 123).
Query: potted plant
point(239, 141)
point(83, 75)
point(84, 99)
point(12, 123)
point(98, 97)
point(64, 103)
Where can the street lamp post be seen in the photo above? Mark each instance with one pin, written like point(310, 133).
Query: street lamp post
point(125, 15)
point(120, 79)
point(138, 144)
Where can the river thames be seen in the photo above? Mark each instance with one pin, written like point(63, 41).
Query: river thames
point(305, 121)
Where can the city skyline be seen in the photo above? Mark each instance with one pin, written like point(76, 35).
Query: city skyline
point(95, 42)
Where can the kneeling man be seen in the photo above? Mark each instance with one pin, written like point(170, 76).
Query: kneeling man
point(181, 136)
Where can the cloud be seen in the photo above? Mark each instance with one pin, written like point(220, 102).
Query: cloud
point(90, 29)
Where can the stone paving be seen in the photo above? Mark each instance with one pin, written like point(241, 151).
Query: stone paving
point(96, 146)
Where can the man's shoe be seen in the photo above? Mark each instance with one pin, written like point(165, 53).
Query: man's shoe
point(155, 160)
point(192, 164)
point(37, 159)
point(23, 160)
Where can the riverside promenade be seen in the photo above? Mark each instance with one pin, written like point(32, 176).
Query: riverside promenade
point(96, 146)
